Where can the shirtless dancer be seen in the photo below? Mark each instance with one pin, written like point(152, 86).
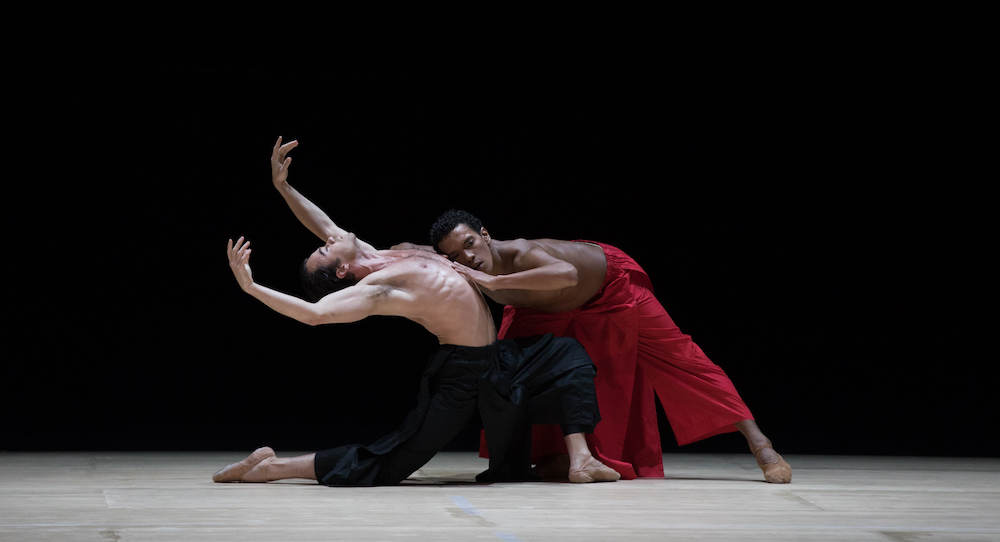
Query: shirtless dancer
point(602, 297)
point(424, 287)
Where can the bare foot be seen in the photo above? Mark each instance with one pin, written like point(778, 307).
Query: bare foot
point(250, 469)
point(593, 471)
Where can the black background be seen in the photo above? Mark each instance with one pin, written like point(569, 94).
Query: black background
point(808, 191)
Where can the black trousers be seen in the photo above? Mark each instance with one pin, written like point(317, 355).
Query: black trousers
point(511, 384)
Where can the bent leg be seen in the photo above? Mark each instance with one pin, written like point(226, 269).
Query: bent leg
point(446, 417)
point(559, 377)
point(446, 402)
point(627, 439)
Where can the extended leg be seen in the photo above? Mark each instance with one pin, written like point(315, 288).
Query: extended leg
point(698, 397)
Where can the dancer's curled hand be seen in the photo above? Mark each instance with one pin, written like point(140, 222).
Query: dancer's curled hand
point(239, 262)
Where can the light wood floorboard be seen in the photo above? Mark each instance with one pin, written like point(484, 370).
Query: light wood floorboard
point(170, 497)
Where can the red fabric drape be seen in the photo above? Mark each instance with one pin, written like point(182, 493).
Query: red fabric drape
point(637, 349)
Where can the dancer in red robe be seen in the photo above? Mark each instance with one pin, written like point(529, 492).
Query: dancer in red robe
point(599, 295)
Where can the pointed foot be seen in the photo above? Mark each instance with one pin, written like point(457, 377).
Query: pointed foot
point(250, 469)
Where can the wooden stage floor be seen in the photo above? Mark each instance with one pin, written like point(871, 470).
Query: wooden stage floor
point(170, 497)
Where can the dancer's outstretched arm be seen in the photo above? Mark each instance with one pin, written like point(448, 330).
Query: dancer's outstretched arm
point(347, 305)
point(308, 213)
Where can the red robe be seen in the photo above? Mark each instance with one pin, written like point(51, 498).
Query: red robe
point(637, 349)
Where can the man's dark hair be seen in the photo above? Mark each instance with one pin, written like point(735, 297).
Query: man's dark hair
point(449, 221)
point(323, 280)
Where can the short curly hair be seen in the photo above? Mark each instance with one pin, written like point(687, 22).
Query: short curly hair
point(449, 221)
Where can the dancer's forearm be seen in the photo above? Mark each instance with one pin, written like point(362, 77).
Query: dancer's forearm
point(348, 305)
point(290, 306)
point(308, 213)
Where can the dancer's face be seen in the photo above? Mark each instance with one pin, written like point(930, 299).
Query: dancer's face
point(468, 247)
point(342, 249)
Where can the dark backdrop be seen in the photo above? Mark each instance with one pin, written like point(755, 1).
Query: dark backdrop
point(803, 189)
